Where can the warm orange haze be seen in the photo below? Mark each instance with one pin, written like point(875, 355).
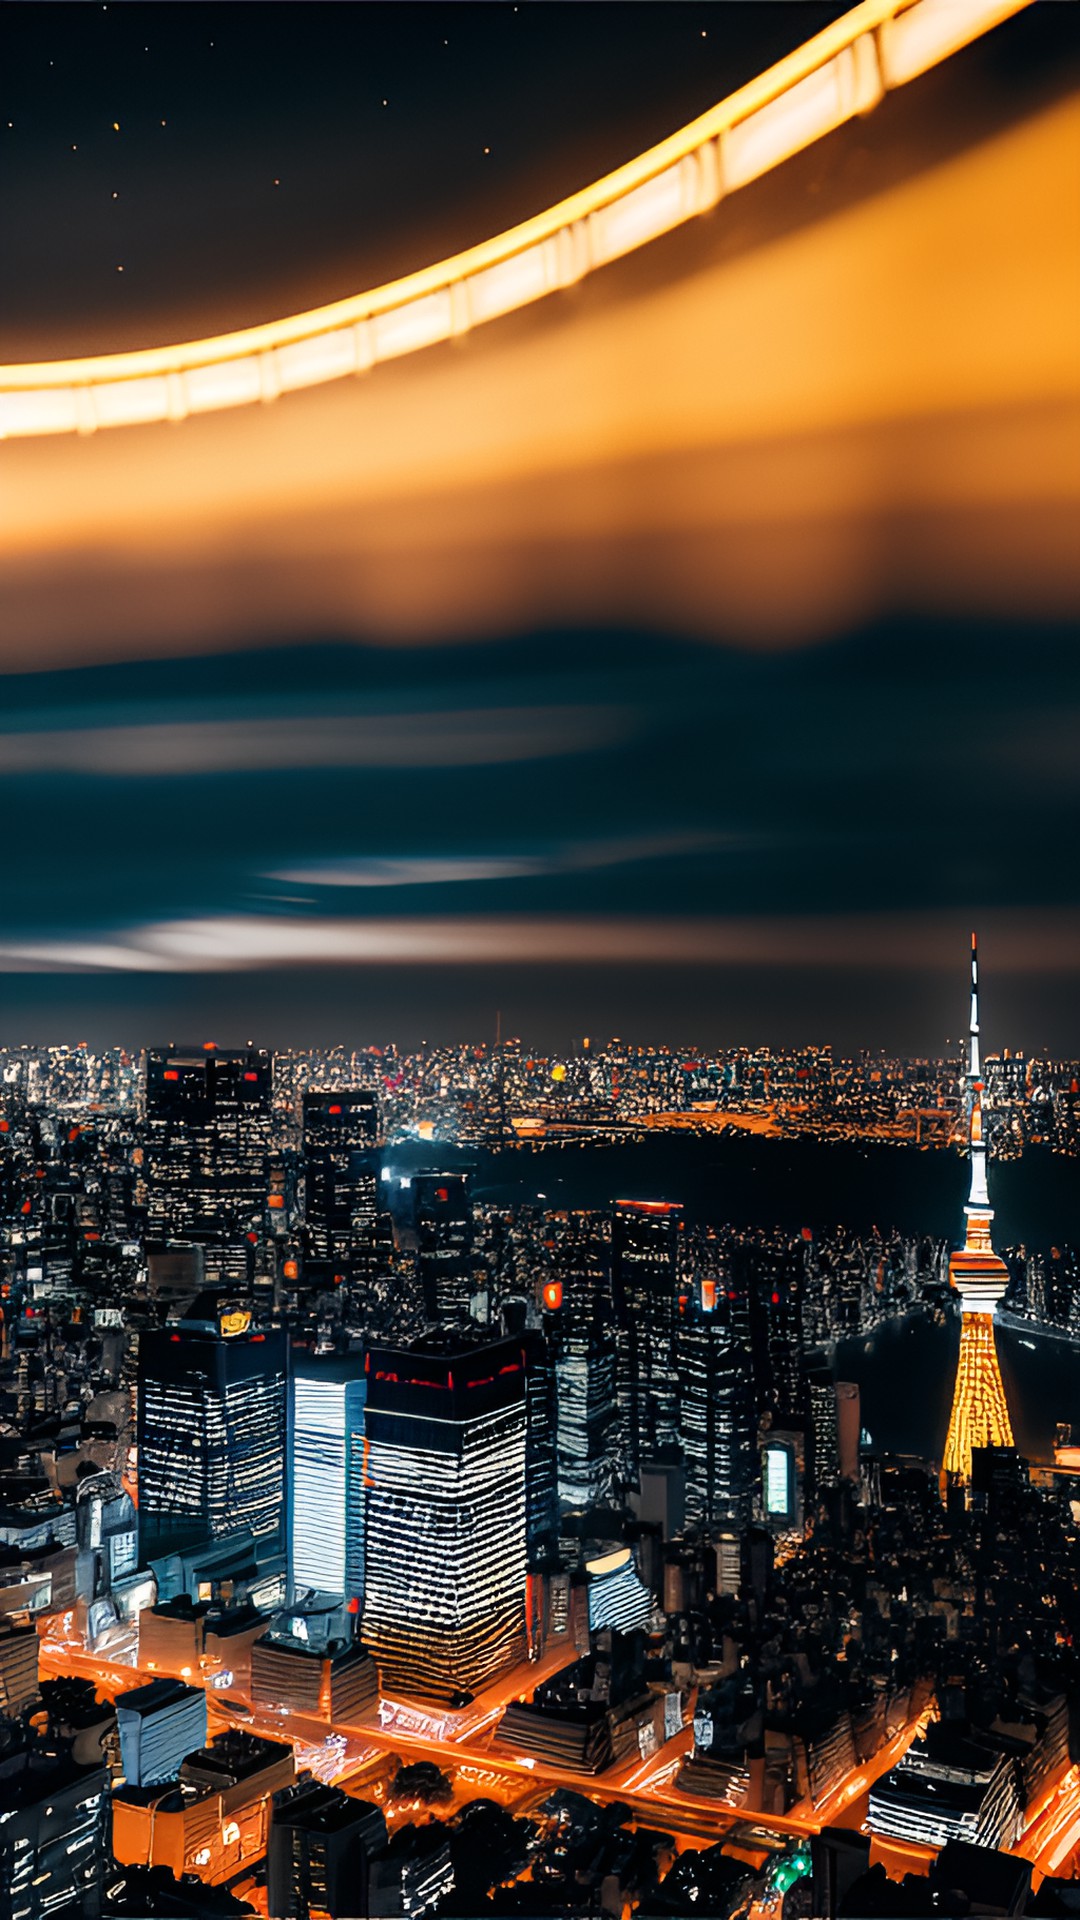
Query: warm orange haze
point(887, 394)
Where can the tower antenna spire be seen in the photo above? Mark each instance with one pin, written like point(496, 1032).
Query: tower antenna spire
point(974, 1067)
point(980, 1413)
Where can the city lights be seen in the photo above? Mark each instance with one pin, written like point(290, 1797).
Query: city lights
point(525, 1433)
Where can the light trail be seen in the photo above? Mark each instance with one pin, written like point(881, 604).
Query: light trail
point(837, 76)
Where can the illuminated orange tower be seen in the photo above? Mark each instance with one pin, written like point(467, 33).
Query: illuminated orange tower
point(980, 1414)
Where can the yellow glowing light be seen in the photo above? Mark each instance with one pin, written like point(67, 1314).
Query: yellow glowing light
point(558, 1073)
point(836, 75)
point(980, 1413)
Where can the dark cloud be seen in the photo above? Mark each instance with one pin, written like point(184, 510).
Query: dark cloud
point(819, 816)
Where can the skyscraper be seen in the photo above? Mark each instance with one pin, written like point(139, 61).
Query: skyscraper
point(211, 1429)
point(53, 1836)
point(587, 1416)
point(207, 1139)
point(326, 1478)
point(442, 1217)
point(341, 1132)
point(716, 1414)
point(980, 1414)
point(644, 1284)
point(444, 1584)
point(541, 1491)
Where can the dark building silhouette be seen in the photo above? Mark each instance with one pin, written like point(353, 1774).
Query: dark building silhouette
point(644, 1285)
point(207, 1142)
point(319, 1857)
point(341, 1133)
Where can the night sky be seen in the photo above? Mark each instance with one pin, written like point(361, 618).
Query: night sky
point(250, 788)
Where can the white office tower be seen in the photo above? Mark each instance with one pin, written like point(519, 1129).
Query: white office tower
point(444, 1589)
point(326, 1506)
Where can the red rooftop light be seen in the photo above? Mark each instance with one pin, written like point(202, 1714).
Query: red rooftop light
point(170, 1073)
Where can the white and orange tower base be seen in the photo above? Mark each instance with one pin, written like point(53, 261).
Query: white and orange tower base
point(980, 1413)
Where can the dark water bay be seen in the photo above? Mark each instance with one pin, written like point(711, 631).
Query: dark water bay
point(747, 1180)
point(905, 1368)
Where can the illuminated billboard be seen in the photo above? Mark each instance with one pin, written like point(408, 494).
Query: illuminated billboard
point(778, 1481)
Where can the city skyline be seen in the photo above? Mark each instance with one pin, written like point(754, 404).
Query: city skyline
point(539, 1045)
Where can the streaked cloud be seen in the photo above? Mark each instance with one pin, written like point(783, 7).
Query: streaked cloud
point(481, 736)
point(426, 870)
point(1036, 943)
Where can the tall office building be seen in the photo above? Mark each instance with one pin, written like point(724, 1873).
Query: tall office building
point(341, 1136)
point(716, 1415)
point(208, 1135)
point(980, 1413)
point(541, 1488)
point(212, 1429)
point(776, 1332)
point(824, 1462)
point(326, 1477)
point(442, 1218)
point(644, 1284)
point(587, 1417)
point(444, 1587)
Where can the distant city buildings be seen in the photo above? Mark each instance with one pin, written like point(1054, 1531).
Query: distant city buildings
point(326, 1448)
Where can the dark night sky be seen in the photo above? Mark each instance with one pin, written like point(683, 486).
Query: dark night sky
point(281, 179)
point(590, 825)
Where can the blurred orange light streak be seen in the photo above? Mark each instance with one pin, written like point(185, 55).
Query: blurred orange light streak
point(838, 74)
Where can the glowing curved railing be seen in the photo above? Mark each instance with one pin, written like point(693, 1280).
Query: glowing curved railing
point(840, 73)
